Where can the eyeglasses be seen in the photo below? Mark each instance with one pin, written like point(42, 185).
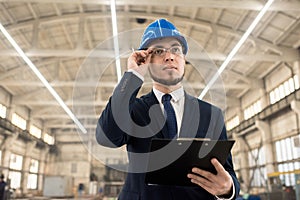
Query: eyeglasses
point(176, 50)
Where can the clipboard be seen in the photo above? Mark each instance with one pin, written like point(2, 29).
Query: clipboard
point(171, 160)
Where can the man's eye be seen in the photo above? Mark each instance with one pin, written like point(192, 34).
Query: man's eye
point(158, 51)
point(176, 50)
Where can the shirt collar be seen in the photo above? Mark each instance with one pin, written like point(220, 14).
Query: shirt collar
point(176, 94)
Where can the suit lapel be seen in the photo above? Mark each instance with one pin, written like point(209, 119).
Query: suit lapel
point(191, 117)
point(151, 100)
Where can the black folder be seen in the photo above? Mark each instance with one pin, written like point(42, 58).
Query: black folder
point(171, 160)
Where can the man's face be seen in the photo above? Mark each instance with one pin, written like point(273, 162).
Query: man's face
point(167, 61)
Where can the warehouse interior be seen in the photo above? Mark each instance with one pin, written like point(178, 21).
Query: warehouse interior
point(80, 48)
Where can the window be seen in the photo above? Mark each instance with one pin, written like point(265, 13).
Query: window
point(257, 167)
point(32, 181)
point(256, 157)
point(35, 131)
point(15, 166)
point(253, 109)
point(34, 166)
point(284, 89)
point(287, 151)
point(15, 179)
point(288, 178)
point(296, 146)
point(2, 111)
point(15, 162)
point(18, 121)
point(296, 82)
point(48, 139)
point(233, 122)
point(33, 176)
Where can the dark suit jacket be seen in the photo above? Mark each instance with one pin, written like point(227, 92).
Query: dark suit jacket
point(129, 120)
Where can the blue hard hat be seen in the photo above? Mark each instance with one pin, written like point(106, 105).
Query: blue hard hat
point(162, 28)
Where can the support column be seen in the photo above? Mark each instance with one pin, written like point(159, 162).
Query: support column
point(28, 123)
point(264, 98)
point(242, 156)
point(6, 147)
point(296, 68)
point(295, 105)
point(42, 165)
point(267, 144)
point(6, 159)
point(240, 113)
point(9, 141)
point(10, 110)
point(264, 128)
point(26, 165)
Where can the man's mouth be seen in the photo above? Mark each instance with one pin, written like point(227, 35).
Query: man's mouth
point(169, 67)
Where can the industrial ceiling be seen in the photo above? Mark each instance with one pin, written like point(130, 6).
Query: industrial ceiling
point(71, 43)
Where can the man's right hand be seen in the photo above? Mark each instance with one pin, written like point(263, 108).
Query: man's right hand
point(139, 61)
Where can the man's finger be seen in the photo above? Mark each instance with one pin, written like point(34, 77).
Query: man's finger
point(217, 165)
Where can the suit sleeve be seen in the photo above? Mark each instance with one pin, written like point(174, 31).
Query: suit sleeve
point(229, 164)
point(115, 121)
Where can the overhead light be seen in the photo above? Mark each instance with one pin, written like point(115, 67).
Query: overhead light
point(141, 20)
point(115, 36)
point(236, 48)
point(42, 78)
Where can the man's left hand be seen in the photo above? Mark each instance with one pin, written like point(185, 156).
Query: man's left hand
point(217, 184)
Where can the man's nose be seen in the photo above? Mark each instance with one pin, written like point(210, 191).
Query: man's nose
point(169, 56)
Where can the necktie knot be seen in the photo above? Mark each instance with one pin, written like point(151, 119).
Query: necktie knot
point(166, 97)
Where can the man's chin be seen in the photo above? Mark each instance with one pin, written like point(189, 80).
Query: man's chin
point(168, 82)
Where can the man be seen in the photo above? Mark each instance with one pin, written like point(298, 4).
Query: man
point(134, 121)
point(2, 187)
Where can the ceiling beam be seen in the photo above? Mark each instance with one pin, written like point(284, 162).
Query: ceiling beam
point(65, 116)
point(61, 126)
point(287, 54)
point(76, 84)
point(186, 21)
point(245, 5)
point(105, 84)
point(55, 103)
point(20, 68)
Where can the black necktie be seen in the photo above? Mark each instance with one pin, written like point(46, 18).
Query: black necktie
point(170, 114)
